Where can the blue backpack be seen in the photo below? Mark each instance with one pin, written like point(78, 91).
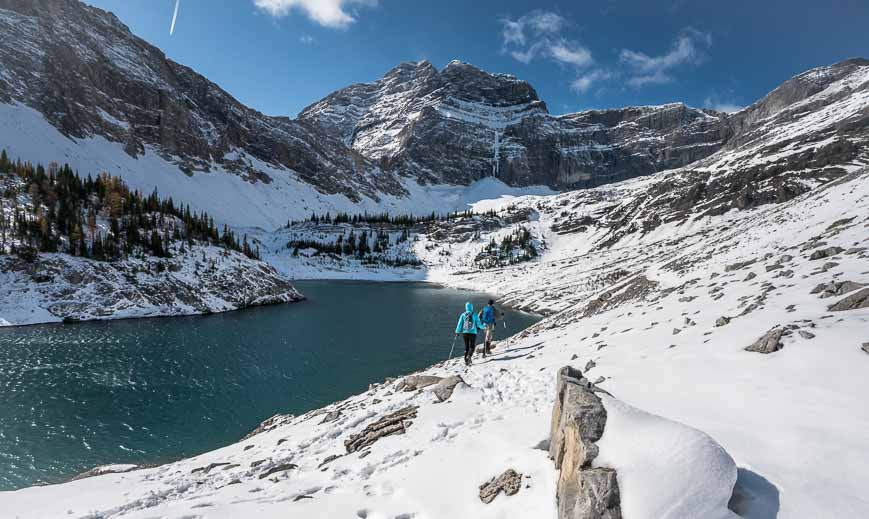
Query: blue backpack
point(488, 315)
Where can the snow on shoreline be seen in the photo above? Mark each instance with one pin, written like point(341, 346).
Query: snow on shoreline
point(202, 280)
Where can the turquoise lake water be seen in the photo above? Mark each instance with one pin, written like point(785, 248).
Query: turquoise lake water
point(154, 390)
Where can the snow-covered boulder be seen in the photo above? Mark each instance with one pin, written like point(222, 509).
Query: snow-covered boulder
point(615, 459)
point(666, 470)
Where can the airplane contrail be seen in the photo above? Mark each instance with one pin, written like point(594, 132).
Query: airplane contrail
point(174, 17)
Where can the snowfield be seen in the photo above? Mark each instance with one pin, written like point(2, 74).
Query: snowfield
point(697, 426)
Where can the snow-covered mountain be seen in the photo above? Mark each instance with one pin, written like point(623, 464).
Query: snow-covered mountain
point(76, 85)
point(461, 124)
point(721, 302)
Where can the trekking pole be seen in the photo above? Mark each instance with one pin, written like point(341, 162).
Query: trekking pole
point(452, 347)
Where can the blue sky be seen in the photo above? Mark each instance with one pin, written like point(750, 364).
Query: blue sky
point(278, 56)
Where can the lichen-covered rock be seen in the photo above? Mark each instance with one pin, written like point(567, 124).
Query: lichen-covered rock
point(722, 321)
point(509, 483)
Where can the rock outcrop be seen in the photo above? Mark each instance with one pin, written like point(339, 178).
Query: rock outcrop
point(443, 386)
point(578, 421)
point(836, 288)
point(855, 301)
point(394, 423)
point(769, 343)
point(825, 253)
point(443, 390)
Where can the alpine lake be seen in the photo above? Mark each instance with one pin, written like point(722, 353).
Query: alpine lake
point(148, 391)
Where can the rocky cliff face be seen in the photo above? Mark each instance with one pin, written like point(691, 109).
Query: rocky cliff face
point(462, 124)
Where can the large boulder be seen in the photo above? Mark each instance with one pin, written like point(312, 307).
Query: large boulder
point(578, 421)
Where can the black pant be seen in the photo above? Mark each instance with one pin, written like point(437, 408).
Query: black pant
point(470, 346)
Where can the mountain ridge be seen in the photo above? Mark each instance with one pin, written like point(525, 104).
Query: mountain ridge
point(415, 140)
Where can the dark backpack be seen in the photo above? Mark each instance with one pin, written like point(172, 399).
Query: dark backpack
point(468, 325)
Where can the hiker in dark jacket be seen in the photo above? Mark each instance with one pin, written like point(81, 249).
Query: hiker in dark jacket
point(489, 317)
point(468, 325)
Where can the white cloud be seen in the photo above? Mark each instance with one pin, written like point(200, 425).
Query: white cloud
point(570, 53)
point(329, 13)
point(538, 33)
point(545, 22)
point(686, 50)
point(513, 32)
point(659, 77)
point(527, 55)
point(537, 23)
point(584, 82)
point(306, 40)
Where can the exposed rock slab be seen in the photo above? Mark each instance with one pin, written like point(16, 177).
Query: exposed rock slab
point(394, 423)
point(443, 390)
point(836, 288)
point(769, 343)
point(509, 483)
point(855, 301)
point(825, 253)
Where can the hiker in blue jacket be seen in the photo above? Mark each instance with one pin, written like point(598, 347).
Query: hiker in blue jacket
point(469, 324)
point(489, 317)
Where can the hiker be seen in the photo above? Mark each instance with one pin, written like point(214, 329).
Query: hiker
point(489, 317)
point(469, 323)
